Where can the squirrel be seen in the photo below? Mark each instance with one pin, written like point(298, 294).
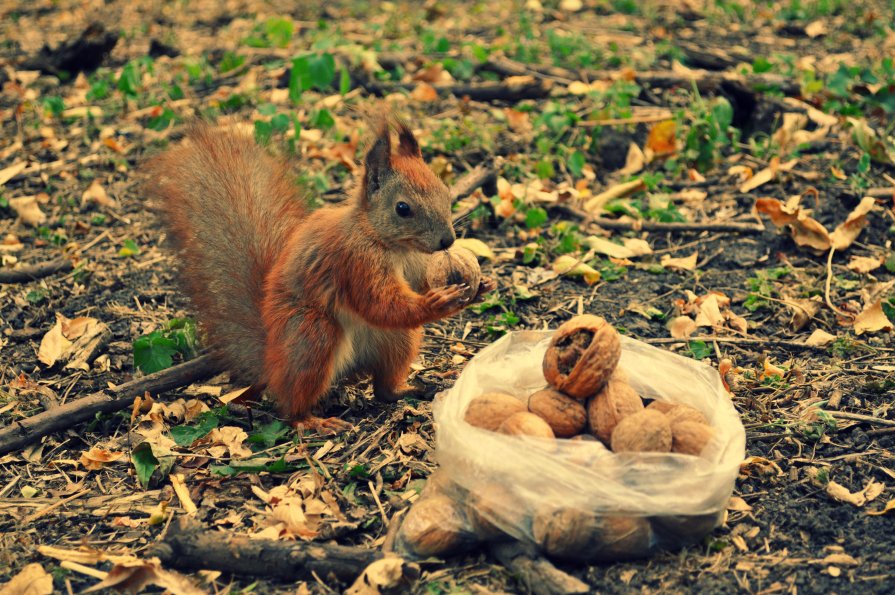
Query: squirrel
point(293, 299)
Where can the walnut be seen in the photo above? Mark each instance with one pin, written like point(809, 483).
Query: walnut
point(615, 402)
point(565, 416)
point(452, 267)
point(434, 526)
point(582, 355)
point(646, 431)
point(525, 424)
point(490, 410)
point(690, 437)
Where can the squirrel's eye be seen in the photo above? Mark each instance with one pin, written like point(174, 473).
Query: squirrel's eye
point(403, 209)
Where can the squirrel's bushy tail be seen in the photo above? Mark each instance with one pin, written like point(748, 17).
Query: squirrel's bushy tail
point(229, 208)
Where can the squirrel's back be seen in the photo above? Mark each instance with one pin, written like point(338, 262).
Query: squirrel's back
point(229, 208)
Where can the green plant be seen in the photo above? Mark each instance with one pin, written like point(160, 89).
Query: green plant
point(274, 32)
point(761, 288)
point(311, 71)
point(156, 351)
point(709, 131)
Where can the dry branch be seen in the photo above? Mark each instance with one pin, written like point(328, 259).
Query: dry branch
point(705, 81)
point(530, 88)
point(35, 271)
point(22, 432)
point(615, 224)
point(189, 546)
point(538, 574)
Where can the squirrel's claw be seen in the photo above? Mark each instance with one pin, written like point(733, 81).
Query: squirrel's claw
point(486, 285)
point(329, 426)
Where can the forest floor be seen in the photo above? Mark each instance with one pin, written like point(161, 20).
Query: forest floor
point(693, 115)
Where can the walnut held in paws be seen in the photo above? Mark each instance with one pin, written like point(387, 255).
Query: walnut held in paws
point(490, 410)
point(582, 355)
point(565, 416)
point(454, 266)
point(646, 431)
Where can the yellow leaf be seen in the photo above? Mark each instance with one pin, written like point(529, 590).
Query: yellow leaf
point(890, 506)
point(687, 263)
point(661, 138)
point(872, 319)
point(424, 92)
point(477, 247)
point(569, 265)
point(681, 327)
point(618, 191)
point(820, 338)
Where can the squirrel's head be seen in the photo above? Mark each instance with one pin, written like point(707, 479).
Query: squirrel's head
point(405, 201)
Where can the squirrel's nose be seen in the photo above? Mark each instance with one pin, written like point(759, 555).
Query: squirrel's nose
point(447, 242)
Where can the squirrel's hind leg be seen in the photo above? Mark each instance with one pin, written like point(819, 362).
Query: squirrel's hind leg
point(299, 366)
point(397, 350)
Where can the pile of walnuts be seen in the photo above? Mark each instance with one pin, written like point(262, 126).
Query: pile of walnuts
point(588, 398)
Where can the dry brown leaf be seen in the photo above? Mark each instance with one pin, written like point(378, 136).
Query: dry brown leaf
point(805, 231)
point(661, 139)
point(631, 247)
point(383, 575)
point(8, 173)
point(802, 311)
point(28, 210)
point(864, 264)
point(11, 243)
point(31, 580)
point(888, 508)
point(518, 121)
point(872, 319)
point(820, 338)
point(859, 499)
point(424, 92)
point(96, 458)
point(476, 246)
point(848, 231)
point(434, 73)
point(761, 465)
point(95, 193)
point(686, 263)
point(633, 162)
point(681, 327)
point(737, 504)
point(135, 576)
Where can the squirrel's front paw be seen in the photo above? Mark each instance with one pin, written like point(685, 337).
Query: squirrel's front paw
point(486, 286)
point(444, 301)
point(328, 426)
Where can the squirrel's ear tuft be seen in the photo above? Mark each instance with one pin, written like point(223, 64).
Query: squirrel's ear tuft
point(407, 144)
point(377, 162)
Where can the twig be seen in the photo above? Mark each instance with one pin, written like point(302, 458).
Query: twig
point(734, 340)
point(744, 228)
point(36, 515)
point(827, 286)
point(188, 545)
point(537, 574)
point(704, 79)
point(474, 178)
point(880, 192)
point(22, 432)
point(36, 271)
point(859, 417)
point(533, 88)
point(653, 115)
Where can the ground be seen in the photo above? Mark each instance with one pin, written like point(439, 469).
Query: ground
point(806, 106)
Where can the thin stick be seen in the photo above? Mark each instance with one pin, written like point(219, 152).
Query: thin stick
point(23, 432)
point(827, 286)
point(859, 417)
point(744, 228)
point(36, 271)
point(736, 341)
point(43, 511)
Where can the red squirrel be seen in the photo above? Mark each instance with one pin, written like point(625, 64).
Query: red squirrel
point(293, 299)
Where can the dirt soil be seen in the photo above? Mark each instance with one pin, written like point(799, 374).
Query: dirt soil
point(809, 513)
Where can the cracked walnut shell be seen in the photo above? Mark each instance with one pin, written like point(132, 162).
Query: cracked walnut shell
point(582, 355)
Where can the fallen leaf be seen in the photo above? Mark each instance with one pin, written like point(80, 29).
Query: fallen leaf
point(767, 174)
point(869, 493)
point(737, 504)
point(848, 231)
point(661, 139)
point(432, 73)
point(889, 507)
point(571, 266)
point(633, 162)
point(518, 121)
point(820, 338)
point(864, 264)
point(28, 210)
point(872, 319)
point(760, 464)
point(618, 191)
point(383, 575)
point(11, 243)
point(681, 327)
point(83, 111)
point(476, 246)
point(31, 580)
point(816, 29)
point(8, 173)
point(686, 263)
point(96, 458)
point(803, 311)
point(424, 92)
point(631, 248)
point(135, 576)
point(771, 371)
point(804, 230)
point(867, 139)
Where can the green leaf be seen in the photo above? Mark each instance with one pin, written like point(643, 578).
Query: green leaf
point(344, 81)
point(150, 458)
point(535, 217)
point(129, 80)
point(311, 71)
point(128, 248)
point(154, 352)
point(186, 435)
point(269, 434)
point(544, 169)
point(263, 131)
point(257, 466)
point(323, 119)
point(699, 349)
point(576, 163)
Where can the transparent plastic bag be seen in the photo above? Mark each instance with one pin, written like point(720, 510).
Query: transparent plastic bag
point(576, 499)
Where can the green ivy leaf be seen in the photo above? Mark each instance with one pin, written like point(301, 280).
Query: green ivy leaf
point(699, 349)
point(269, 434)
point(186, 435)
point(154, 352)
point(150, 458)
